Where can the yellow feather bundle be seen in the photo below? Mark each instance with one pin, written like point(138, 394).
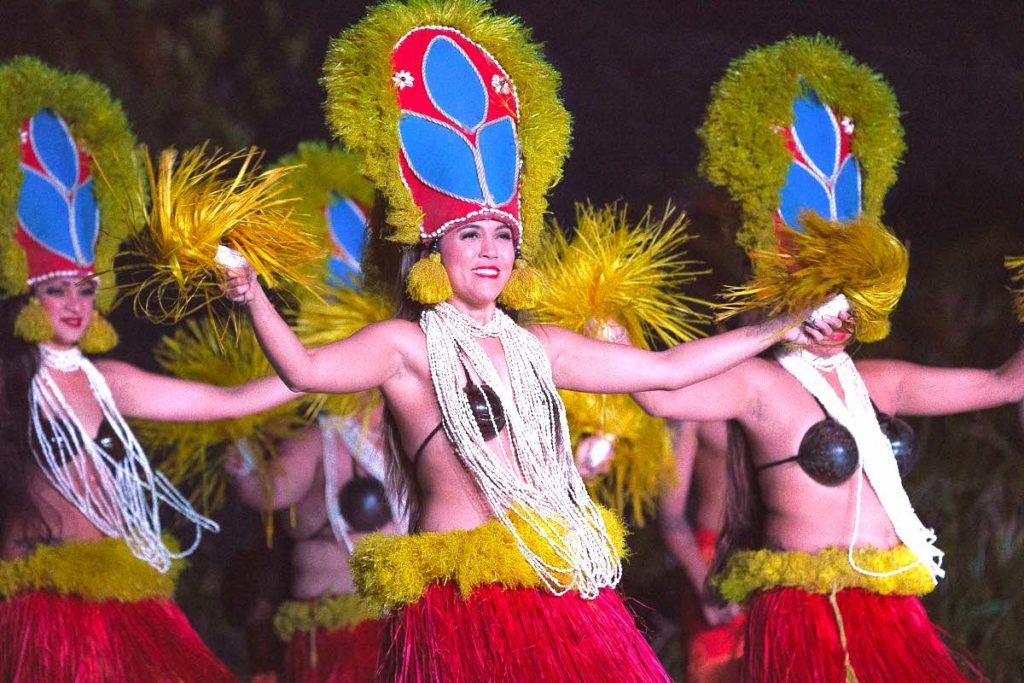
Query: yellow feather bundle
point(341, 314)
point(197, 206)
point(186, 450)
point(1016, 266)
point(614, 269)
point(860, 259)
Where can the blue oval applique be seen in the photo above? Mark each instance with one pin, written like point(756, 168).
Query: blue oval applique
point(499, 154)
point(453, 83)
point(441, 157)
point(821, 177)
point(87, 221)
point(43, 212)
point(54, 147)
point(347, 225)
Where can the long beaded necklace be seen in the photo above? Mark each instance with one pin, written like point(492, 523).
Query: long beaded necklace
point(537, 480)
point(121, 497)
point(875, 456)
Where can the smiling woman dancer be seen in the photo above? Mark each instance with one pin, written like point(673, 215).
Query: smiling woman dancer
point(511, 573)
point(86, 577)
point(820, 535)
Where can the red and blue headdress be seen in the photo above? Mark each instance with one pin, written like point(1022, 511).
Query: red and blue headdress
point(807, 141)
point(457, 118)
point(57, 217)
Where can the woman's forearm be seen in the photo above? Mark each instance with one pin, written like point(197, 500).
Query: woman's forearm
point(286, 353)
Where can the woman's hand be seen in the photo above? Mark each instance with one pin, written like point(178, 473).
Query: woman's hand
point(237, 464)
point(717, 615)
point(240, 284)
point(594, 454)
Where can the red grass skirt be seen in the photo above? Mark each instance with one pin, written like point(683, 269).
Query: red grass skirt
point(794, 636)
point(340, 655)
point(500, 635)
point(52, 637)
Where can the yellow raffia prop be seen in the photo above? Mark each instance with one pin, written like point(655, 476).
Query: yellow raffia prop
point(629, 272)
point(394, 571)
point(362, 110)
point(94, 571)
point(1015, 264)
point(326, 612)
point(860, 259)
point(33, 324)
point(187, 452)
point(342, 313)
point(199, 204)
point(823, 572)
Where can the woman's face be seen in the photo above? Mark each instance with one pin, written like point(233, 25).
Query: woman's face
point(832, 344)
point(478, 258)
point(68, 303)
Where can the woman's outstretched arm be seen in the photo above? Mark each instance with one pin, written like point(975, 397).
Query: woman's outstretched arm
point(365, 360)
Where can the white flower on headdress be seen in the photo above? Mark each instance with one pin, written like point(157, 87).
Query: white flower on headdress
point(847, 125)
point(403, 80)
point(500, 84)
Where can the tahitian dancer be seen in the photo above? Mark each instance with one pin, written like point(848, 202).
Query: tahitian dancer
point(331, 474)
point(510, 571)
point(86, 573)
point(821, 540)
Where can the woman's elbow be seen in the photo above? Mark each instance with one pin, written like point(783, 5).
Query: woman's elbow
point(654, 403)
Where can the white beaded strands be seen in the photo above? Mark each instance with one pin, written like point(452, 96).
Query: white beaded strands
point(121, 498)
point(875, 456)
point(537, 481)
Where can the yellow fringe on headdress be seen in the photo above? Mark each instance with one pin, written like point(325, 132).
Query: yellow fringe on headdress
point(393, 571)
point(100, 336)
point(822, 572)
point(428, 281)
point(196, 207)
point(33, 324)
point(341, 314)
point(1015, 264)
point(185, 450)
point(326, 612)
point(524, 288)
point(860, 259)
point(615, 269)
point(92, 570)
point(362, 109)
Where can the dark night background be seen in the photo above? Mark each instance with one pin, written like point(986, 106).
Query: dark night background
point(636, 78)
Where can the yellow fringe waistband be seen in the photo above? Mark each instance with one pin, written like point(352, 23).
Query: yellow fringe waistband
point(823, 572)
point(393, 571)
point(326, 612)
point(93, 570)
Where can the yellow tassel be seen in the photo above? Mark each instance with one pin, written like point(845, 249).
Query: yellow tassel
point(428, 281)
point(1015, 264)
point(523, 289)
point(33, 324)
point(100, 336)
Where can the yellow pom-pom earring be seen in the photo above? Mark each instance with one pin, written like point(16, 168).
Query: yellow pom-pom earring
point(100, 336)
point(33, 324)
point(428, 282)
point(524, 286)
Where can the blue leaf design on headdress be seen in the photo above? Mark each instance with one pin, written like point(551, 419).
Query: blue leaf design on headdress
point(347, 225)
point(86, 220)
point(55, 147)
point(499, 152)
point(816, 132)
point(831, 192)
point(441, 157)
point(43, 211)
point(453, 83)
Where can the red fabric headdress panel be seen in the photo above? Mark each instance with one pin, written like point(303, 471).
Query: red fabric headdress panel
point(459, 155)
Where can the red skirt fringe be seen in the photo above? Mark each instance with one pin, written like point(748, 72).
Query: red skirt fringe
point(794, 636)
point(341, 655)
point(51, 637)
point(499, 635)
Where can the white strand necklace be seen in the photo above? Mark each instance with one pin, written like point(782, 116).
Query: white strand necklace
point(121, 498)
point(538, 479)
point(369, 456)
point(875, 456)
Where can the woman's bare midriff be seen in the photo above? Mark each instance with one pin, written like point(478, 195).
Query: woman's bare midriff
point(58, 522)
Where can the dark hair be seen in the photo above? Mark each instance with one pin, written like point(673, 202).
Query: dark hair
point(19, 361)
point(743, 527)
